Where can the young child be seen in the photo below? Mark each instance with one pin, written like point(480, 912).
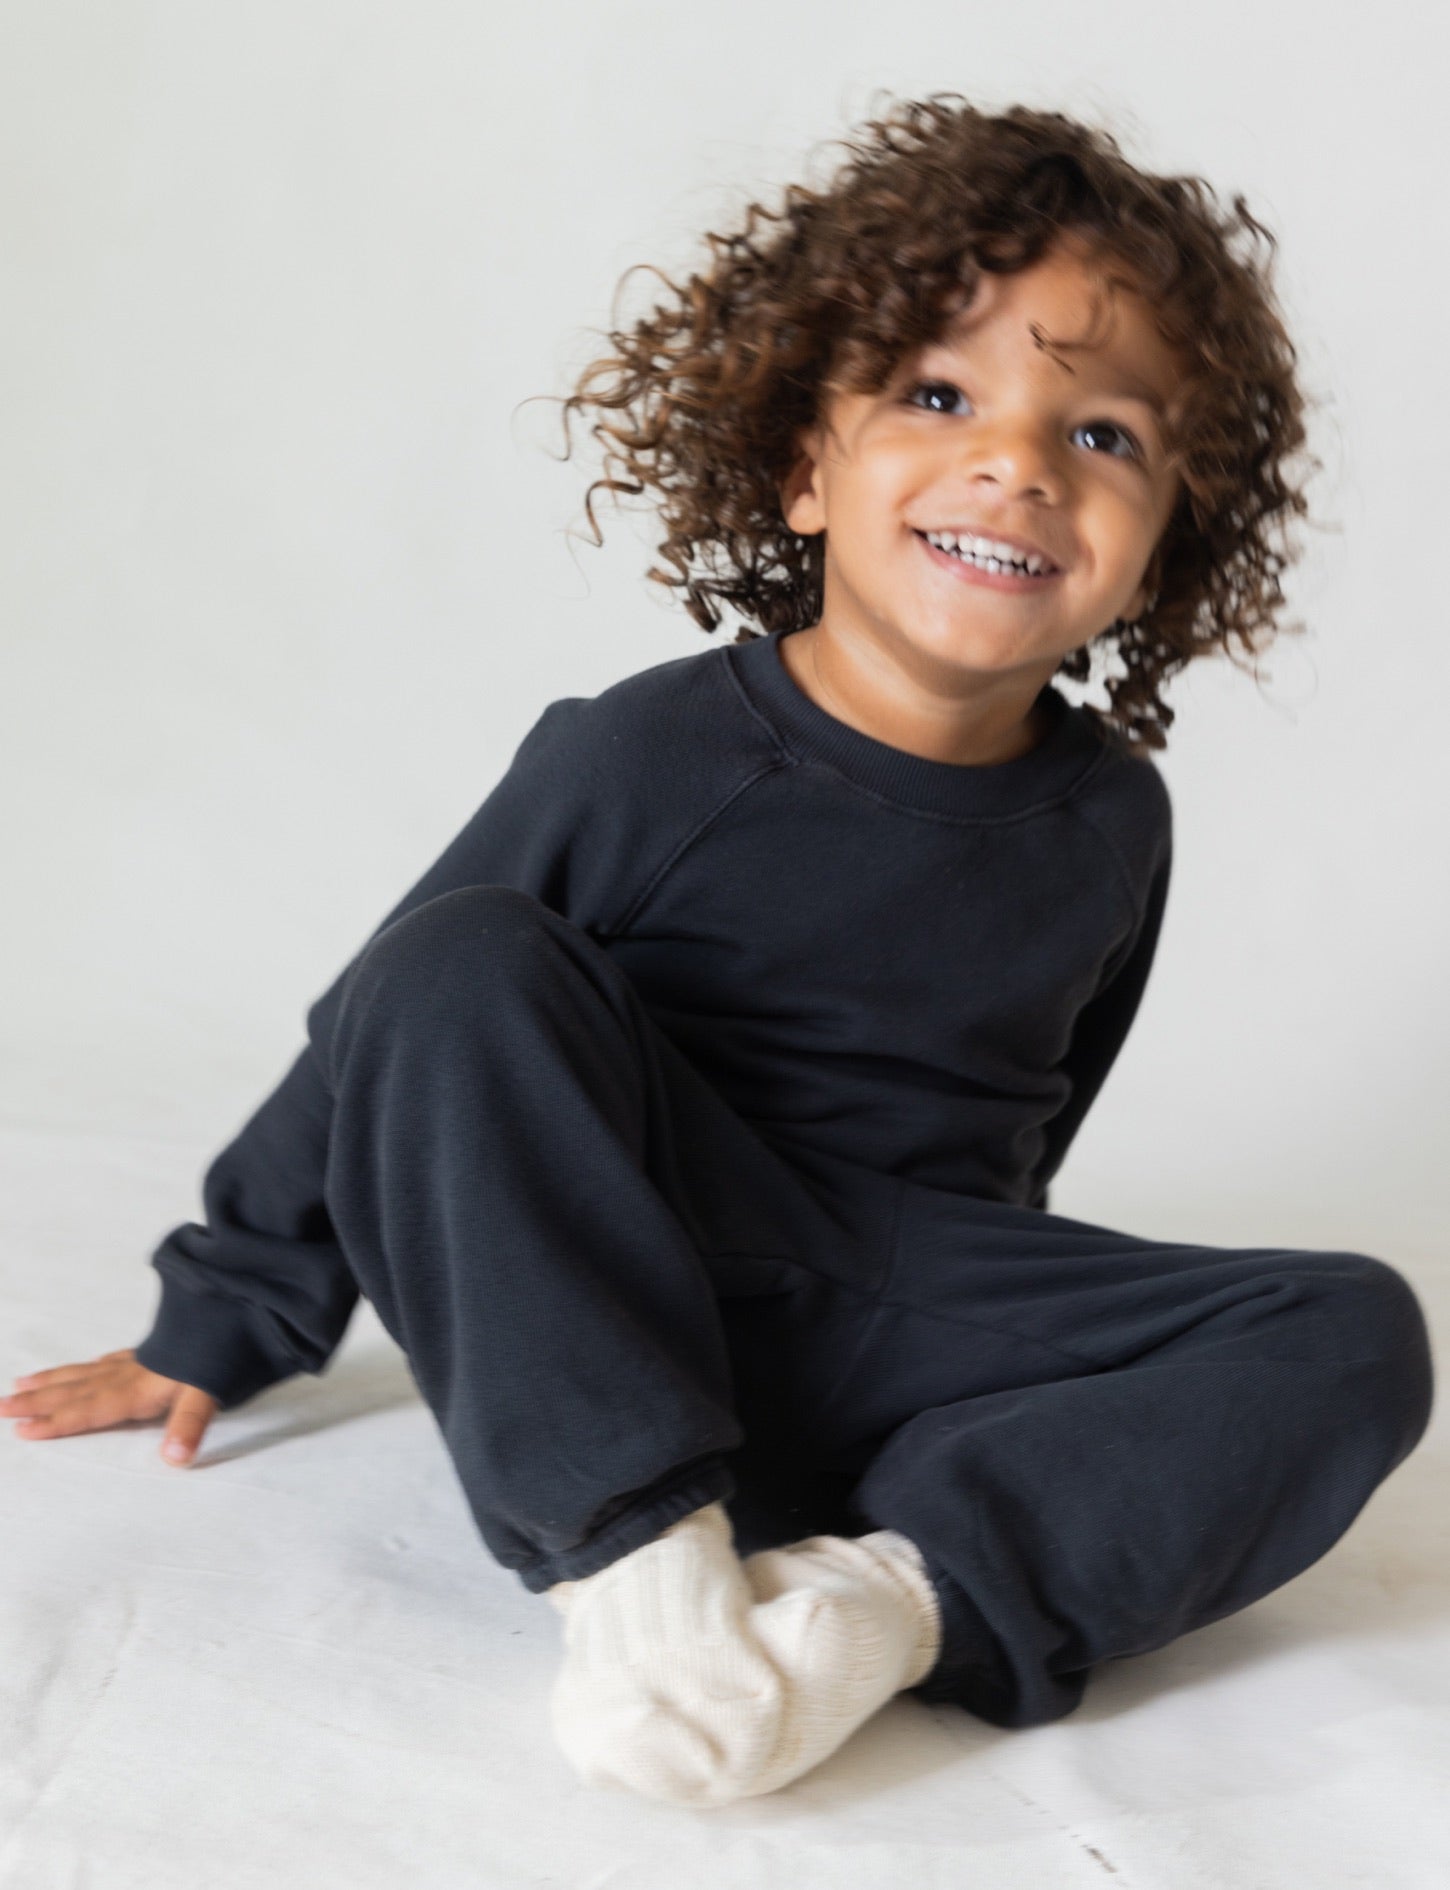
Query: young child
point(690, 1123)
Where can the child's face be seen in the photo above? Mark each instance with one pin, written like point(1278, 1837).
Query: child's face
point(998, 437)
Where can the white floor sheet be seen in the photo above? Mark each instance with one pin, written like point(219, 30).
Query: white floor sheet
point(295, 1664)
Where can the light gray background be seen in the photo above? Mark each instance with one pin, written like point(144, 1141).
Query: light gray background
point(286, 566)
point(285, 576)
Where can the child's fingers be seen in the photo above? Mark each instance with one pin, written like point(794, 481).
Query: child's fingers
point(55, 1375)
point(190, 1415)
point(56, 1412)
point(14, 1405)
point(65, 1402)
point(55, 1389)
point(69, 1399)
point(29, 1404)
point(78, 1368)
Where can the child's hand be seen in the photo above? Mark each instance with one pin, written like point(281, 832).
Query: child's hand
point(110, 1390)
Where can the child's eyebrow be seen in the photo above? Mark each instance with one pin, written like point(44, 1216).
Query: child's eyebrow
point(1137, 392)
point(1129, 387)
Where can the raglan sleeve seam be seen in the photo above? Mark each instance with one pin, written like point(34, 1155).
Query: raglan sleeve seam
point(1137, 898)
point(655, 883)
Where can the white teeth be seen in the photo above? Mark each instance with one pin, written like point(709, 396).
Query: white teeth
point(990, 553)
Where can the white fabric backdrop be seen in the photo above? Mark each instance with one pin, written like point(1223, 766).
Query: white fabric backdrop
point(284, 578)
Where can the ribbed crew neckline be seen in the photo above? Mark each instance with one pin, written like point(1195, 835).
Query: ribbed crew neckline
point(990, 790)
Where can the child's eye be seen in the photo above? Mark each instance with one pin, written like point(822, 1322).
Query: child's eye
point(1097, 428)
point(924, 387)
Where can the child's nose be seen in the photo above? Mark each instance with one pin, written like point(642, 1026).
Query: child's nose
point(1017, 458)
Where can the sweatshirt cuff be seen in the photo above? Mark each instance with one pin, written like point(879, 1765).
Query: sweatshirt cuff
point(204, 1340)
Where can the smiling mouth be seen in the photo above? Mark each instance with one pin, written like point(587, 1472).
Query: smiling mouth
point(985, 570)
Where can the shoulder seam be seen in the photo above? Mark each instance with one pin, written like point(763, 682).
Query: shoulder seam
point(652, 885)
point(667, 866)
point(1125, 878)
point(1136, 908)
point(771, 732)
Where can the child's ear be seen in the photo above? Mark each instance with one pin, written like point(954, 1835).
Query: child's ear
point(799, 498)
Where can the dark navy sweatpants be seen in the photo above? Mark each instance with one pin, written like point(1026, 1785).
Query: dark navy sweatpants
point(621, 1303)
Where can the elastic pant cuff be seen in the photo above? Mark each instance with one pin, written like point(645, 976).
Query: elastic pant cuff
point(966, 1671)
point(656, 1509)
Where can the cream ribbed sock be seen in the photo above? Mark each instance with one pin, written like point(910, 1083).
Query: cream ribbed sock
point(698, 1679)
point(664, 1689)
point(850, 1621)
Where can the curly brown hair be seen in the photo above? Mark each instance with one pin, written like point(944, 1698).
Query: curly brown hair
point(702, 400)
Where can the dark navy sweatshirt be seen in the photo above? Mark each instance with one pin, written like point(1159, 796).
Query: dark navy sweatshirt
point(921, 966)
